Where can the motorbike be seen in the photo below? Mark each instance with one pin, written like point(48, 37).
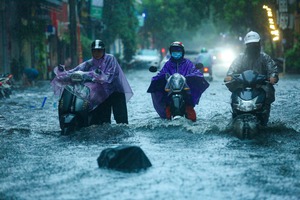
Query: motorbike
point(247, 103)
point(5, 85)
point(176, 88)
point(73, 107)
point(205, 70)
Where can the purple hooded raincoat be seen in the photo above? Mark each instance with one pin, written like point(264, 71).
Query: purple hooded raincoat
point(194, 79)
point(110, 79)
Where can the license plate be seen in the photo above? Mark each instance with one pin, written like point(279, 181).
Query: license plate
point(206, 74)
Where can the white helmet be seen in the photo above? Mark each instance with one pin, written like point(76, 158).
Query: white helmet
point(251, 37)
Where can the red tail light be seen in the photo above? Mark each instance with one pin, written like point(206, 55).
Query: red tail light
point(205, 69)
point(0, 83)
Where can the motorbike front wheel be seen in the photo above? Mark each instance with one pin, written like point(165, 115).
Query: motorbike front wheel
point(68, 124)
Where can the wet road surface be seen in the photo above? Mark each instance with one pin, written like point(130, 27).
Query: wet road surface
point(200, 160)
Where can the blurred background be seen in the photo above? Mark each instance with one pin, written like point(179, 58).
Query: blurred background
point(44, 33)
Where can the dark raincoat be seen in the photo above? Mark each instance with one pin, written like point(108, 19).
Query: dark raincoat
point(194, 79)
point(263, 64)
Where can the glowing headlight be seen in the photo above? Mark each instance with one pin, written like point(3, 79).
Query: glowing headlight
point(228, 55)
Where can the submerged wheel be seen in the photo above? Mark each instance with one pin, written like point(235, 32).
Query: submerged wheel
point(67, 130)
point(245, 127)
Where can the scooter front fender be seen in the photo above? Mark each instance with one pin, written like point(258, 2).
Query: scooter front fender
point(245, 126)
point(68, 123)
point(177, 105)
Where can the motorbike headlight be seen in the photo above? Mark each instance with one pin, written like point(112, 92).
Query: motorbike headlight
point(246, 105)
point(76, 77)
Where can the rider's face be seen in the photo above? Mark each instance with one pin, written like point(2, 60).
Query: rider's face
point(97, 53)
point(253, 49)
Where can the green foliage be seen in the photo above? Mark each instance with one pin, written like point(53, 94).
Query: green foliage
point(41, 55)
point(166, 20)
point(238, 14)
point(86, 46)
point(242, 16)
point(293, 57)
point(121, 22)
point(31, 25)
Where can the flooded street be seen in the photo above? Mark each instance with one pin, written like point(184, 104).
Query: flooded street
point(200, 160)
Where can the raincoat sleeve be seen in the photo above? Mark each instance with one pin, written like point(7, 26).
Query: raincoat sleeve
point(196, 82)
point(158, 94)
point(235, 67)
point(109, 79)
point(63, 78)
point(62, 75)
point(161, 74)
point(194, 71)
point(271, 66)
point(109, 73)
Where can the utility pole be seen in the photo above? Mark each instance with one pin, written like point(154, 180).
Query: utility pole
point(3, 39)
point(73, 33)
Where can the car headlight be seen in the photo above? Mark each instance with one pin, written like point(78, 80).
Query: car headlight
point(247, 105)
point(228, 55)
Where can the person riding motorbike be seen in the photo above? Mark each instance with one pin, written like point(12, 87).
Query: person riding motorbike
point(255, 59)
point(109, 87)
point(206, 59)
point(177, 64)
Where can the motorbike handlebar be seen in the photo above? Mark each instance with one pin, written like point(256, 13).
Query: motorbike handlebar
point(80, 76)
point(261, 79)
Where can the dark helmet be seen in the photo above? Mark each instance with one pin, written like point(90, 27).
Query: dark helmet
point(203, 50)
point(97, 44)
point(175, 45)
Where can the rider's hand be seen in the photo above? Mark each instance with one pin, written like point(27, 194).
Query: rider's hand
point(98, 71)
point(227, 79)
point(273, 80)
point(167, 75)
point(61, 68)
point(86, 77)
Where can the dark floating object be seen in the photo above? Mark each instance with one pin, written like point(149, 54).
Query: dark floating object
point(124, 158)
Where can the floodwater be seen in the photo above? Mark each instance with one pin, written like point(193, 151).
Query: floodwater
point(200, 160)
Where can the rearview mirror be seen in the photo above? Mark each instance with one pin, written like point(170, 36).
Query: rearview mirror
point(153, 69)
point(199, 65)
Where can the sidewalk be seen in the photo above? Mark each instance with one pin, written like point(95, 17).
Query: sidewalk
point(289, 76)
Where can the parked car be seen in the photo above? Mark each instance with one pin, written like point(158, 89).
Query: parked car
point(164, 60)
point(145, 58)
point(223, 55)
point(191, 55)
point(222, 59)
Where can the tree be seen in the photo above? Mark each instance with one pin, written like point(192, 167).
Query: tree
point(293, 55)
point(242, 16)
point(121, 22)
point(167, 20)
point(30, 27)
